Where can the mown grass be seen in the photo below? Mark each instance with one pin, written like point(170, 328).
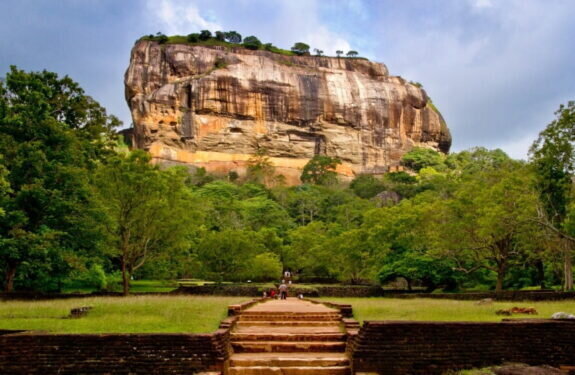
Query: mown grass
point(190, 314)
point(444, 310)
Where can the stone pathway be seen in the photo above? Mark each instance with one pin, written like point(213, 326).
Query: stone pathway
point(289, 337)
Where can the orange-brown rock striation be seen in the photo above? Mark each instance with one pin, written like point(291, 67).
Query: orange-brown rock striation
point(215, 107)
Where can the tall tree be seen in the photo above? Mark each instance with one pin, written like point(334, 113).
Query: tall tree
point(320, 170)
point(484, 224)
point(553, 158)
point(51, 135)
point(148, 210)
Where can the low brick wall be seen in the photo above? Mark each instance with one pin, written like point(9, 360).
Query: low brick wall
point(407, 347)
point(294, 290)
point(38, 353)
point(510, 295)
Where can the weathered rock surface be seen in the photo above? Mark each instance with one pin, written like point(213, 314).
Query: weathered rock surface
point(214, 107)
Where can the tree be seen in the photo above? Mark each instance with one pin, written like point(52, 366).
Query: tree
point(205, 35)
point(228, 255)
point(260, 168)
point(251, 42)
point(318, 52)
point(300, 48)
point(233, 37)
point(553, 159)
point(161, 38)
point(220, 35)
point(193, 38)
point(147, 210)
point(320, 170)
point(339, 53)
point(367, 186)
point(351, 53)
point(419, 158)
point(52, 136)
point(484, 225)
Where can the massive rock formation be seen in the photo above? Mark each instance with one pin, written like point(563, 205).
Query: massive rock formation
point(215, 107)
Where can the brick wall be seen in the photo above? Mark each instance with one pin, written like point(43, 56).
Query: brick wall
point(508, 295)
point(36, 353)
point(406, 347)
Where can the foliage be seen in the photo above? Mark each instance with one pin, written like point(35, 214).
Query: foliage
point(300, 48)
point(260, 168)
point(146, 210)
point(251, 42)
point(233, 37)
point(320, 170)
point(553, 156)
point(419, 158)
point(205, 35)
point(367, 186)
point(52, 136)
point(351, 53)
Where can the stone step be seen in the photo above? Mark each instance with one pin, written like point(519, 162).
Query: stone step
point(289, 329)
point(290, 317)
point(288, 346)
point(293, 323)
point(289, 359)
point(287, 337)
point(264, 370)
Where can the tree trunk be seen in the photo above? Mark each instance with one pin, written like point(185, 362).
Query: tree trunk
point(540, 273)
point(9, 278)
point(501, 269)
point(568, 269)
point(125, 278)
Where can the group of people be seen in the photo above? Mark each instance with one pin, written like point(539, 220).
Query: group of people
point(283, 287)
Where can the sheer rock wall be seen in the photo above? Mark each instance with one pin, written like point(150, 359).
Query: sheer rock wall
point(215, 107)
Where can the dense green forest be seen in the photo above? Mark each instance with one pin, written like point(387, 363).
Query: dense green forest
point(77, 206)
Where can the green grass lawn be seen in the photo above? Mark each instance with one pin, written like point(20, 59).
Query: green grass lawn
point(190, 314)
point(443, 310)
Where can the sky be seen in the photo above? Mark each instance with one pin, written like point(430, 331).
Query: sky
point(496, 69)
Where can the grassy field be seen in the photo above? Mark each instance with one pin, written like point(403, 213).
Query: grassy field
point(444, 310)
point(119, 315)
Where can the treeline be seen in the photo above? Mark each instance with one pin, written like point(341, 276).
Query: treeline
point(76, 206)
point(233, 38)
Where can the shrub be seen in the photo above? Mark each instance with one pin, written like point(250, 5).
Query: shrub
point(220, 35)
point(205, 35)
point(161, 38)
point(300, 48)
point(419, 158)
point(251, 42)
point(233, 37)
point(193, 38)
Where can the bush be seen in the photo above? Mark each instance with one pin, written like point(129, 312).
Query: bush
point(265, 267)
point(300, 48)
point(419, 158)
point(205, 35)
point(193, 38)
point(220, 35)
point(251, 42)
point(233, 37)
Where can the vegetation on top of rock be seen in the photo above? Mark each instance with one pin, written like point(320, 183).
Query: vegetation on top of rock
point(231, 39)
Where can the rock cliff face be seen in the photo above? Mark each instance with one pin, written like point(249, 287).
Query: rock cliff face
point(214, 107)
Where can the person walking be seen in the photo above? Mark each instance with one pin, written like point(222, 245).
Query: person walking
point(283, 290)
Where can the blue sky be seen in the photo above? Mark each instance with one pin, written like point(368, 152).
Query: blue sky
point(497, 69)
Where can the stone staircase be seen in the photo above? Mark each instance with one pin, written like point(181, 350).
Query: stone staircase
point(290, 337)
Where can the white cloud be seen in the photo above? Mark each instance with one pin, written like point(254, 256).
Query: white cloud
point(178, 17)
